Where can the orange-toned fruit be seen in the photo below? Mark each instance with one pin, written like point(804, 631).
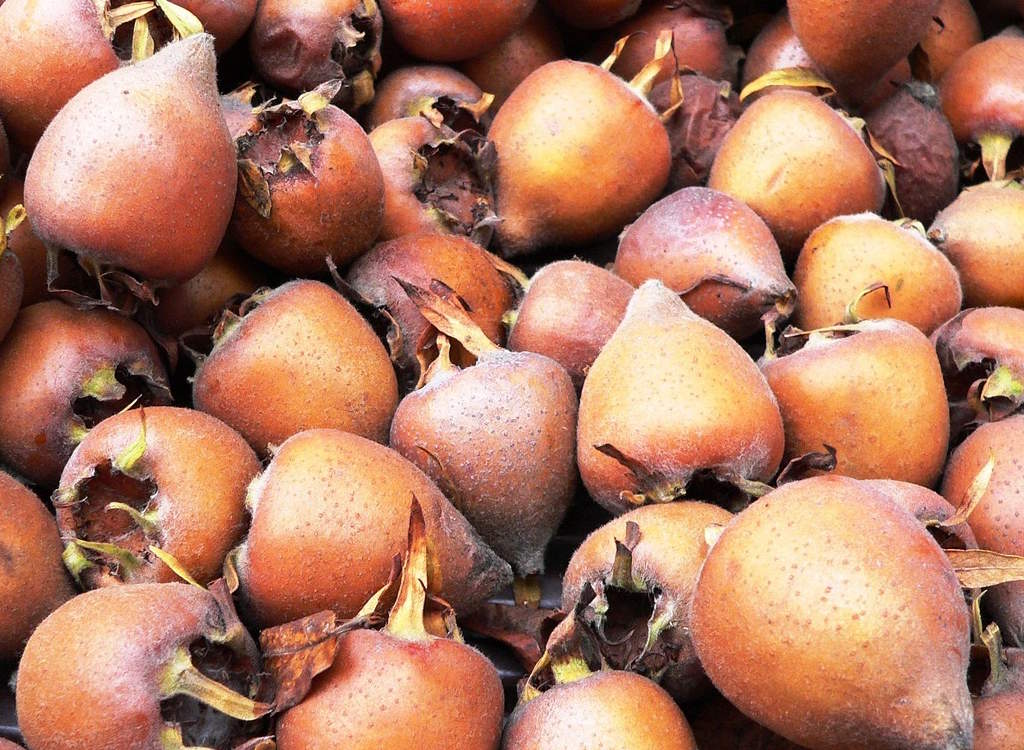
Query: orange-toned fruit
point(927, 506)
point(593, 14)
point(452, 30)
point(25, 244)
point(425, 89)
point(775, 47)
point(954, 30)
point(225, 20)
point(999, 709)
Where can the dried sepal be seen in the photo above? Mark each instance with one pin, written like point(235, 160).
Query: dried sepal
point(789, 77)
point(978, 568)
point(851, 316)
point(448, 313)
point(973, 496)
point(800, 467)
point(254, 187)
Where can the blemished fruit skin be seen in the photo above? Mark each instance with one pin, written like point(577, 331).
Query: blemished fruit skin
point(409, 90)
point(22, 242)
point(49, 354)
point(593, 14)
point(982, 233)
point(452, 30)
point(309, 360)
point(200, 468)
point(797, 163)
point(12, 288)
point(33, 581)
point(552, 189)
point(848, 254)
point(954, 30)
point(605, 709)
point(570, 310)
point(168, 225)
point(34, 82)
point(664, 377)
point(877, 397)
point(329, 514)
point(996, 520)
point(799, 605)
point(999, 710)
point(711, 249)
point(383, 691)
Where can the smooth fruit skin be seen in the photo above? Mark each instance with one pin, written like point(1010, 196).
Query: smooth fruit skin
point(407, 90)
point(775, 47)
point(452, 30)
point(52, 49)
point(303, 358)
point(982, 233)
point(605, 709)
point(566, 174)
point(570, 310)
point(12, 288)
point(996, 521)
point(593, 14)
point(384, 692)
point(797, 163)
point(693, 239)
point(954, 30)
point(168, 224)
point(848, 254)
point(328, 516)
point(808, 622)
point(23, 242)
point(877, 397)
point(226, 20)
point(665, 377)
point(33, 581)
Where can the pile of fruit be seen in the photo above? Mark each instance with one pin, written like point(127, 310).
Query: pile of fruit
point(512, 374)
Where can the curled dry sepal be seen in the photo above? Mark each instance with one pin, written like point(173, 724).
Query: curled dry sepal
point(152, 22)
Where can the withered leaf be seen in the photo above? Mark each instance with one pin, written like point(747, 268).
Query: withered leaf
point(979, 568)
point(296, 652)
point(795, 77)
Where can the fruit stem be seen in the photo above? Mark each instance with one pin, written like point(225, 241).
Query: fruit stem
point(994, 149)
point(406, 617)
point(181, 677)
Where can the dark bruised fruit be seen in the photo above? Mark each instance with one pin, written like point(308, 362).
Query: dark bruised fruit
point(166, 478)
point(871, 390)
point(634, 578)
point(33, 581)
point(310, 187)
point(63, 371)
point(930, 508)
point(999, 706)
point(299, 357)
point(167, 225)
point(571, 308)
point(165, 666)
point(23, 243)
point(665, 377)
point(911, 128)
point(954, 30)
point(697, 127)
point(805, 620)
point(5, 152)
point(982, 233)
point(983, 97)
point(435, 179)
point(297, 45)
point(436, 91)
point(714, 252)
point(420, 259)
point(330, 512)
point(452, 30)
point(797, 163)
point(858, 267)
point(594, 14)
point(503, 66)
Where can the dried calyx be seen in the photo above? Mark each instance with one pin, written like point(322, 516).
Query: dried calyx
point(356, 50)
point(111, 389)
point(138, 28)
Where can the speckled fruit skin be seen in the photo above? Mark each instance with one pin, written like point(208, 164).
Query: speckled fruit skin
point(23, 242)
point(999, 713)
point(113, 644)
point(452, 30)
point(664, 377)
point(848, 254)
point(551, 187)
point(982, 233)
point(606, 709)
point(168, 225)
point(34, 82)
point(877, 397)
point(501, 437)
point(386, 692)
point(593, 14)
point(12, 288)
point(797, 163)
point(403, 92)
point(693, 238)
point(996, 521)
point(329, 514)
point(201, 469)
point(303, 358)
point(48, 354)
point(800, 606)
point(926, 506)
point(33, 581)
point(955, 32)
point(570, 310)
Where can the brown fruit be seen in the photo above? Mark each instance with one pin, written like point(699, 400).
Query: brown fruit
point(664, 377)
point(167, 225)
point(63, 371)
point(225, 20)
point(12, 286)
point(954, 30)
point(452, 30)
point(594, 14)
point(776, 47)
point(873, 391)
point(714, 252)
point(300, 357)
point(927, 506)
point(805, 619)
point(436, 91)
point(23, 242)
point(330, 512)
point(33, 581)
point(982, 233)
point(166, 477)
point(797, 163)
point(5, 152)
point(999, 709)
point(570, 310)
point(845, 257)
